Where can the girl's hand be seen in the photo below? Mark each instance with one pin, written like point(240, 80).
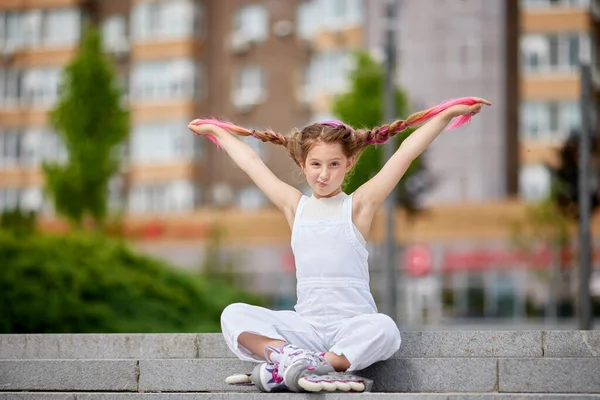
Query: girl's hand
point(461, 109)
point(202, 129)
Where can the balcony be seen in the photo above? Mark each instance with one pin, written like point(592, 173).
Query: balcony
point(555, 20)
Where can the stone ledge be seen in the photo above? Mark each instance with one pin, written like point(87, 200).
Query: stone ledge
point(453, 344)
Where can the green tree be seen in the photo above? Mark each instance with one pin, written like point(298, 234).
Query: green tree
point(363, 107)
point(565, 185)
point(92, 124)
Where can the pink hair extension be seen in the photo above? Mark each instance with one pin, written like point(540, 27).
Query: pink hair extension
point(383, 134)
point(224, 125)
point(423, 116)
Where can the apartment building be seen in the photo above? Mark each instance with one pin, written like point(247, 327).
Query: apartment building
point(595, 58)
point(554, 34)
point(177, 60)
point(449, 49)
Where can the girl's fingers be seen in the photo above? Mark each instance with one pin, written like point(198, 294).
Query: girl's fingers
point(483, 101)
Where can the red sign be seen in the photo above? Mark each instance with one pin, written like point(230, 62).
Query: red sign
point(418, 260)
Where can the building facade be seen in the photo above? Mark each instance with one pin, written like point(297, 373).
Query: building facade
point(449, 49)
point(176, 60)
point(554, 36)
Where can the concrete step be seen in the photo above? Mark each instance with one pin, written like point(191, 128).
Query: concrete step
point(453, 344)
point(440, 375)
point(293, 396)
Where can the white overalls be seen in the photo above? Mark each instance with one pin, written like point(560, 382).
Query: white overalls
point(335, 310)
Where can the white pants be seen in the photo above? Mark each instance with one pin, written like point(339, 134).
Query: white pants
point(364, 339)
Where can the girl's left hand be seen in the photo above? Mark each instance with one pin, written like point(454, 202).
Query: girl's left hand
point(461, 109)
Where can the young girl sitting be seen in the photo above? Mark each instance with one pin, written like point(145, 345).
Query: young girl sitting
point(335, 325)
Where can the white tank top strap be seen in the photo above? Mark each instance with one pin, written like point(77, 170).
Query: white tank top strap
point(300, 208)
point(297, 216)
point(347, 208)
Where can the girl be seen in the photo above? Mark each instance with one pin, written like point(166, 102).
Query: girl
point(335, 326)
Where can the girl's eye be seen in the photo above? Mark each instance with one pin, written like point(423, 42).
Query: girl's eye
point(335, 163)
point(315, 164)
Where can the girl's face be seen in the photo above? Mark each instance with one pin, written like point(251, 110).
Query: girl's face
point(325, 168)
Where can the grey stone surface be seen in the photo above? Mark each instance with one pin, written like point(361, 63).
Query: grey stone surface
point(571, 343)
point(100, 346)
point(522, 396)
point(68, 375)
point(37, 396)
point(397, 375)
point(471, 344)
point(433, 375)
point(290, 396)
point(549, 375)
point(187, 346)
point(191, 375)
point(212, 345)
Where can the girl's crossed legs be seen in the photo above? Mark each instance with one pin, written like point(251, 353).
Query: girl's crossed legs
point(349, 344)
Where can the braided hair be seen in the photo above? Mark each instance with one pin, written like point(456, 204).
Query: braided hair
point(353, 141)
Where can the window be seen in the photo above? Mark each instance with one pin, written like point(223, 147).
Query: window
point(160, 80)
point(555, 3)
point(248, 87)
point(251, 198)
point(328, 15)
point(14, 34)
point(328, 72)
point(36, 86)
point(114, 32)
point(552, 53)
point(534, 182)
point(11, 147)
point(21, 148)
point(61, 26)
point(11, 86)
point(251, 23)
point(40, 86)
point(9, 198)
point(32, 27)
point(169, 141)
point(549, 120)
point(178, 196)
point(167, 19)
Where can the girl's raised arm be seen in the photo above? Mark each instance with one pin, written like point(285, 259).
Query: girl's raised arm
point(284, 196)
point(371, 195)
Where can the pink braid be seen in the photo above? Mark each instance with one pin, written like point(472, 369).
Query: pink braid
point(383, 134)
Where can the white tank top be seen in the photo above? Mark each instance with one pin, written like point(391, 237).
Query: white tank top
point(331, 265)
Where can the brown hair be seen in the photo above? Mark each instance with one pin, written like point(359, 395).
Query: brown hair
point(353, 141)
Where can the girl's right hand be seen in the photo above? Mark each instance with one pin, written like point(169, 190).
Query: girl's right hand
point(202, 129)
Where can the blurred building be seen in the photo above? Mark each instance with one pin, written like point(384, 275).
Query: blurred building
point(450, 49)
point(177, 60)
point(595, 57)
point(278, 64)
point(554, 34)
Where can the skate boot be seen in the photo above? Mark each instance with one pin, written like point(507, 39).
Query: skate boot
point(265, 377)
point(294, 363)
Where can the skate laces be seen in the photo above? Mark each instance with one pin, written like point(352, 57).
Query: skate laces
point(274, 370)
point(288, 353)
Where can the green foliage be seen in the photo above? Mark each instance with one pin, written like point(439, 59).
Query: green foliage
point(18, 222)
point(565, 185)
point(92, 124)
point(363, 107)
point(217, 266)
point(86, 283)
point(543, 222)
